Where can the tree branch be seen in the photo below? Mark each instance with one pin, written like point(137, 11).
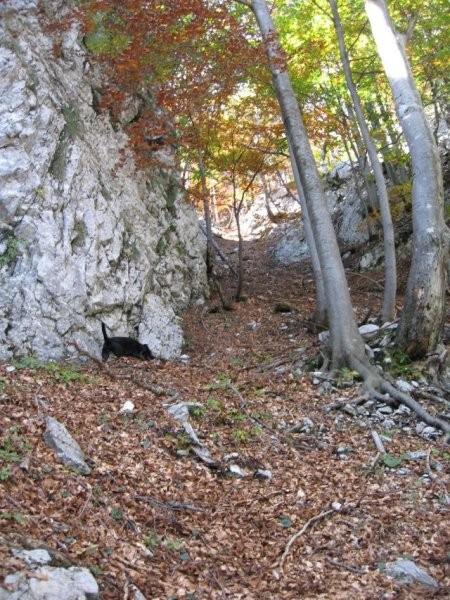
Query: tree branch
point(246, 3)
point(323, 514)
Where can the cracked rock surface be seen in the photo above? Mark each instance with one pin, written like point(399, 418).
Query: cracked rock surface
point(84, 236)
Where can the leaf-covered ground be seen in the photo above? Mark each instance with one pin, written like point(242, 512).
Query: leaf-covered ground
point(151, 514)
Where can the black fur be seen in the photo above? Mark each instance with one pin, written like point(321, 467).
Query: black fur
point(124, 346)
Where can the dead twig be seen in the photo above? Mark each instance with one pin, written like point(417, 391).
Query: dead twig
point(295, 537)
point(244, 408)
point(335, 563)
point(430, 473)
point(342, 403)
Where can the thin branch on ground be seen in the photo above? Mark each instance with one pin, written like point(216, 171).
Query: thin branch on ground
point(295, 537)
point(342, 403)
point(335, 563)
point(378, 443)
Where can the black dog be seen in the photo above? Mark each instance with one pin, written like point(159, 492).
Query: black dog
point(124, 346)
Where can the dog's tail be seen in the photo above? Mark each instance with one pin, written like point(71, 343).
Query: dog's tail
point(105, 335)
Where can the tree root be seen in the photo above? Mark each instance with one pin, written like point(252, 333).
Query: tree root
point(374, 383)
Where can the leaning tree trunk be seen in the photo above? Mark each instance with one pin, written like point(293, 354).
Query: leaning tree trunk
point(390, 270)
point(347, 346)
point(320, 317)
point(423, 314)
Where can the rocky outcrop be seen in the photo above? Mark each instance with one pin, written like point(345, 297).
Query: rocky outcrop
point(84, 236)
point(347, 204)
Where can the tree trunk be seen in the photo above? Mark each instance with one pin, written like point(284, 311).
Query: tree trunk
point(240, 281)
point(347, 346)
point(320, 317)
point(390, 269)
point(207, 214)
point(423, 314)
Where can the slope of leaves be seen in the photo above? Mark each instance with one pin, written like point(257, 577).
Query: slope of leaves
point(152, 515)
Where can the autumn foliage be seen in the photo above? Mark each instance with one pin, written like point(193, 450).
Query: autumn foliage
point(179, 58)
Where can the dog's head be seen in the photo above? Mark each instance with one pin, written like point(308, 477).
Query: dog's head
point(146, 352)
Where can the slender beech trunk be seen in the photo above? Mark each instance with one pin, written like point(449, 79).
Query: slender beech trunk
point(237, 206)
point(390, 269)
point(423, 314)
point(207, 214)
point(347, 347)
point(320, 317)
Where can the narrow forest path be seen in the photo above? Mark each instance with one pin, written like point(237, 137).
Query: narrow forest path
point(298, 503)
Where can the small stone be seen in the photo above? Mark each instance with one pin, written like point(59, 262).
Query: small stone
point(263, 474)
point(236, 470)
point(369, 330)
point(416, 455)
point(403, 471)
point(127, 407)
point(67, 450)
point(324, 336)
point(404, 386)
point(350, 410)
point(33, 558)
point(426, 431)
point(336, 506)
point(403, 410)
point(308, 425)
point(408, 572)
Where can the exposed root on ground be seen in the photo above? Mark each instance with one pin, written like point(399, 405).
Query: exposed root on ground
point(375, 385)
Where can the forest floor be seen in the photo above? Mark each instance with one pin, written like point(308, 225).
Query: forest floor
point(308, 513)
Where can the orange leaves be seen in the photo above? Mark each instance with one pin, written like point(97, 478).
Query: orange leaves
point(188, 53)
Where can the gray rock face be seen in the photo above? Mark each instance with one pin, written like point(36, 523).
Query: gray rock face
point(348, 212)
point(68, 451)
point(84, 236)
point(51, 583)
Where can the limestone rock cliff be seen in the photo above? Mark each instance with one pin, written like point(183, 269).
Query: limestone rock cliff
point(84, 236)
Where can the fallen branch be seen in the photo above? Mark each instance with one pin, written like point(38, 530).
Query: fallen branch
point(378, 443)
point(295, 537)
point(342, 403)
point(335, 563)
point(244, 408)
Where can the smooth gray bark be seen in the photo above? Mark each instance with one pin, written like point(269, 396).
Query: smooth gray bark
point(424, 310)
point(347, 346)
point(390, 269)
point(320, 313)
